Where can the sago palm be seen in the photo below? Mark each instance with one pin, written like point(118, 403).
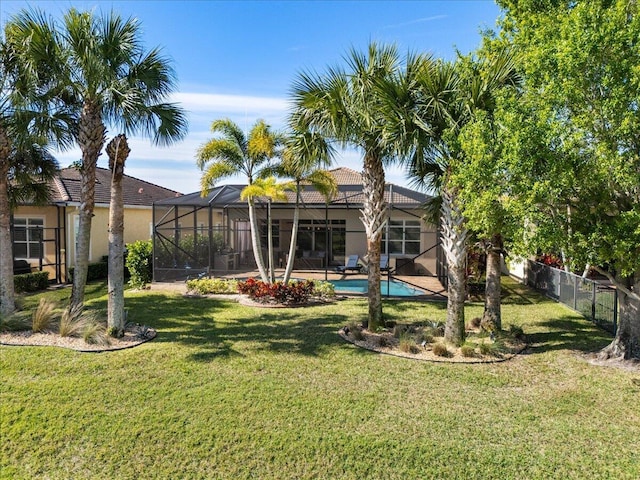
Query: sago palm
point(231, 153)
point(103, 71)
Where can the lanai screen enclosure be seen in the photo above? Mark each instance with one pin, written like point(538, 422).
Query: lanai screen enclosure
point(211, 235)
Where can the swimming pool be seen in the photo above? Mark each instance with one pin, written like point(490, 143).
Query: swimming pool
point(393, 288)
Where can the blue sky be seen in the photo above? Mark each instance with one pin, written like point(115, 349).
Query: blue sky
point(238, 59)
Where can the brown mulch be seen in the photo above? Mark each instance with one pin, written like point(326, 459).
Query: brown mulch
point(132, 338)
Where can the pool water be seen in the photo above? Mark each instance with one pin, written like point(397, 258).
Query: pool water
point(393, 288)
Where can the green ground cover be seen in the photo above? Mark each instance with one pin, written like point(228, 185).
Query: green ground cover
point(228, 391)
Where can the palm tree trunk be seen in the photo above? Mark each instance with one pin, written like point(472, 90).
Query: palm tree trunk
point(272, 276)
point(255, 241)
point(374, 214)
point(492, 317)
point(91, 137)
point(454, 245)
point(7, 291)
point(118, 151)
point(294, 236)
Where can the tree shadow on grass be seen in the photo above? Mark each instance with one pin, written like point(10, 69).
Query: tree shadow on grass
point(567, 333)
point(205, 323)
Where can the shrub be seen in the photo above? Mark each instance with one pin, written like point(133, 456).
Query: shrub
point(291, 294)
point(408, 344)
point(383, 341)
point(139, 262)
point(42, 316)
point(516, 332)
point(94, 333)
point(355, 330)
point(441, 350)
point(31, 282)
point(95, 271)
point(15, 322)
point(204, 286)
point(495, 349)
point(468, 350)
point(73, 322)
point(475, 322)
point(324, 289)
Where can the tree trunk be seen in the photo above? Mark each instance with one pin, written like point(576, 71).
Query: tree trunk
point(374, 215)
point(294, 236)
point(255, 241)
point(626, 344)
point(272, 275)
point(7, 291)
point(118, 151)
point(454, 245)
point(91, 137)
point(492, 317)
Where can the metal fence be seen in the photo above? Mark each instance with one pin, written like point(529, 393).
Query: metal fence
point(593, 300)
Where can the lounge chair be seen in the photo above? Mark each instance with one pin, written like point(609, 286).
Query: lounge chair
point(352, 265)
point(384, 263)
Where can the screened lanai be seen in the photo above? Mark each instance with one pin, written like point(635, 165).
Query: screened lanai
point(195, 235)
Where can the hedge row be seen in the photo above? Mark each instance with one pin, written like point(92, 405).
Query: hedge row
point(31, 282)
point(96, 271)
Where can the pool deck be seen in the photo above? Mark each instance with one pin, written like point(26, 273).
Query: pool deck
point(431, 285)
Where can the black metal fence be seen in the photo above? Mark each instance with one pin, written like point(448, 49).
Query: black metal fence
point(593, 300)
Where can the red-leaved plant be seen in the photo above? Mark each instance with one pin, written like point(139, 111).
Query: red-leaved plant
point(288, 294)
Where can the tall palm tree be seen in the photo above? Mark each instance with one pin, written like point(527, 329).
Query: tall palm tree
point(304, 155)
point(232, 152)
point(450, 95)
point(102, 71)
point(118, 150)
point(272, 191)
point(347, 106)
point(29, 120)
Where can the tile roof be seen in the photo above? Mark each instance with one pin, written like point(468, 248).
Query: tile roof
point(66, 188)
point(349, 194)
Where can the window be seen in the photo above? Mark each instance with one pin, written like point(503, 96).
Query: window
point(27, 238)
point(275, 232)
point(401, 237)
point(312, 237)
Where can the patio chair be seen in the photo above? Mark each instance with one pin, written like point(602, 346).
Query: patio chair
point(384, 263)
point(352, 265)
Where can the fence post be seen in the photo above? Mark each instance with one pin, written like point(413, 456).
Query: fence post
point(615, 311)
point(575, 292)
point(593, 301)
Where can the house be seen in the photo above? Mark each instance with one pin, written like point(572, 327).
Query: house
point(44, 236)
point(212, 234)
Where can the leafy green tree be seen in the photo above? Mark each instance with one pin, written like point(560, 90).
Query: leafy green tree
point(348, 106)
point(105, 76)
point(582, 69)
point(230, 153)
point(451, 96)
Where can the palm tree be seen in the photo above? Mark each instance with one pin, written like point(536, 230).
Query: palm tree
point(104, 73)
point(272, 191)
point(231, 153)
point(28, 121)
point(347, 106)
point(118, 150)
point(450, 95)
point(304, 154)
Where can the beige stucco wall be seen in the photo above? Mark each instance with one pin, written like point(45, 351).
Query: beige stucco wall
point(137, 226)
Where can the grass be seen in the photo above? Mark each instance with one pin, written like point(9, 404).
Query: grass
point(227, 391)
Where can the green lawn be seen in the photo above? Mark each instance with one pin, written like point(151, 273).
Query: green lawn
point(227, 391)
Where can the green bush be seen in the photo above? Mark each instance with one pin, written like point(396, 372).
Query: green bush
point(441, 350)
point(31, 282)
point(140, 263)
point(322, 289)
point(407, 344)
point(204, 286)
point(95, 271)
point(468, 350)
